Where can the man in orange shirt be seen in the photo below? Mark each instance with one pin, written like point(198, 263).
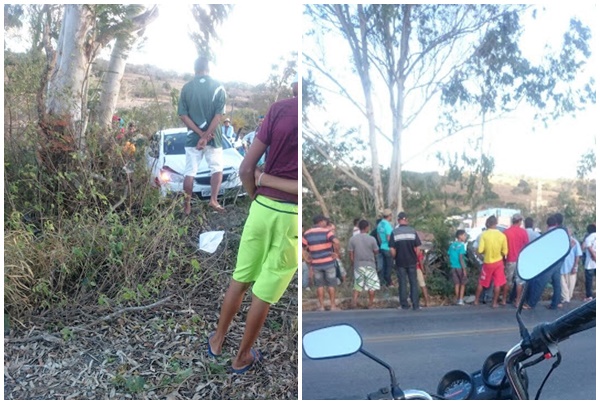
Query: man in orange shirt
point(320, 250)
point(493, 246)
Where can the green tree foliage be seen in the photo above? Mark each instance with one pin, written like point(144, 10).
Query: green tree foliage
point(208, 17)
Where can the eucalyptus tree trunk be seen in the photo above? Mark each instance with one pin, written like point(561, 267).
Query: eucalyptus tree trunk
point(111, 83)
point(67, 88)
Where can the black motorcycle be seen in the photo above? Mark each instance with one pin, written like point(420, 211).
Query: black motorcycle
point(503, 374)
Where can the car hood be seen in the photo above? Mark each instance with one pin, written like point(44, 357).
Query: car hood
point(231, 161)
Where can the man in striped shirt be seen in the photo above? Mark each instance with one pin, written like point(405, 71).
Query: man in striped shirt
point(320, 249)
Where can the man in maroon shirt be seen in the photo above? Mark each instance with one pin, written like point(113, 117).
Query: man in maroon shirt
point(268, 253)
point(517, 238)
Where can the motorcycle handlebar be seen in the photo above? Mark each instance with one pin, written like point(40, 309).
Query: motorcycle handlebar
point(543, 337)
point(580, 319)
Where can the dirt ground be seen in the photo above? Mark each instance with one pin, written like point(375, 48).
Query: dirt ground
point(157, 350)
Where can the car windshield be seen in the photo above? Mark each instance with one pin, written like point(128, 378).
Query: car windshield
point(174, 144)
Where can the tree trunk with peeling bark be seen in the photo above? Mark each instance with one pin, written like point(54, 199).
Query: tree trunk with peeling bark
point(111, 83)
point(67, 89)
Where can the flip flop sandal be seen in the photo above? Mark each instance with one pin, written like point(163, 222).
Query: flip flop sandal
point(257, 358)
point(210, 352)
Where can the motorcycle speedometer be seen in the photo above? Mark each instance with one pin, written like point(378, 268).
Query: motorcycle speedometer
point(456, 385)
point(493, 371)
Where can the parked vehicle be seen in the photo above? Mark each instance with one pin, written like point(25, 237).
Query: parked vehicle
point(166, 161)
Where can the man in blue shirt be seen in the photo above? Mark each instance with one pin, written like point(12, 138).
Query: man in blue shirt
point(568, 271)
point(385, 261)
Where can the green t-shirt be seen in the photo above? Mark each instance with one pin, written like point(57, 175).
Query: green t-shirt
point(201, 99)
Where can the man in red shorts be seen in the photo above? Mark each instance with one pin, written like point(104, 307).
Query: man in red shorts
point(494, 248)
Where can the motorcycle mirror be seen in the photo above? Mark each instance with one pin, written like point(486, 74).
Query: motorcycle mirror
point(543, 253)
point(331, 342)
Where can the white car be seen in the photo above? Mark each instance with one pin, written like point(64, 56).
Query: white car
point(166, 161)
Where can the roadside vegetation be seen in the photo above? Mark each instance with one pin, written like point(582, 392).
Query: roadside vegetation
point(106, 294)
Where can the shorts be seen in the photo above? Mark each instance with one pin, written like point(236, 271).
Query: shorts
point(458, 276)
point(510, 272)
point(420, 278)
point(268, 253)
point(325, 277)
point(366, 278)
point(193, 157)
point(492, 272)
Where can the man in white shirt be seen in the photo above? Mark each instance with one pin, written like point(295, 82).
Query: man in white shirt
point(589, 248)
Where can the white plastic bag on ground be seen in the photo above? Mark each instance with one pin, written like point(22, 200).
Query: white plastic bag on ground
point(209, 241)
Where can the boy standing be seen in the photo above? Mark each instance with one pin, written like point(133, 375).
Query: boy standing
point(456, 253)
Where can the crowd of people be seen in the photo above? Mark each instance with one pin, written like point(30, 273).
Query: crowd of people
point(396, 248)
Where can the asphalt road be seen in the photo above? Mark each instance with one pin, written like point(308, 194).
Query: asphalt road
point(422, 346)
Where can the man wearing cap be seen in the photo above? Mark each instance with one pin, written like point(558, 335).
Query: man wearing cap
point(228, 131)
point(201, 106)
point(516, 238)
point(268, 254)
point(384, 232)
point(321, 248)
point(404, 244)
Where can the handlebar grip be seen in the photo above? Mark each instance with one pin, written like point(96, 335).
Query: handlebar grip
point(580, 319)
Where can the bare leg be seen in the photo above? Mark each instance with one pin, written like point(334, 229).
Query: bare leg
point(231, 305)
point(371, 298)
point(254, 322)
point(425, 295)
point(457, 292)
point(505, 289)
point(354, 298)
point(477, 294)
point(496, 295)
point(321, 297)
point(519, 294)
point(332, 298)
point(188, 186)
point(461, 292)
point(215, 185)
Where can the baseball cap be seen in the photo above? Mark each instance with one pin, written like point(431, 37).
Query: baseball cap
point(401, 216)
point(227, 120)
point(517, 217)
point(387, 212)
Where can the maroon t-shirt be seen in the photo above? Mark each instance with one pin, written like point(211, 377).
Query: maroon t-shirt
point(279, 132)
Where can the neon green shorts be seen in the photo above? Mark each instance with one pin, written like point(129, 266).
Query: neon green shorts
point(268, 253)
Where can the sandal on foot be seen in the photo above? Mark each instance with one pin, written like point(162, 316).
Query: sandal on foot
point(210, 351)
point(256, 358)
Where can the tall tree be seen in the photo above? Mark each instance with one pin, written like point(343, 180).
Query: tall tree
point(139, 18)
point(417, 51)
point(86, 29)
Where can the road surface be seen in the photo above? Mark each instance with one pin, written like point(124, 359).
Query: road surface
point(424, 345)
